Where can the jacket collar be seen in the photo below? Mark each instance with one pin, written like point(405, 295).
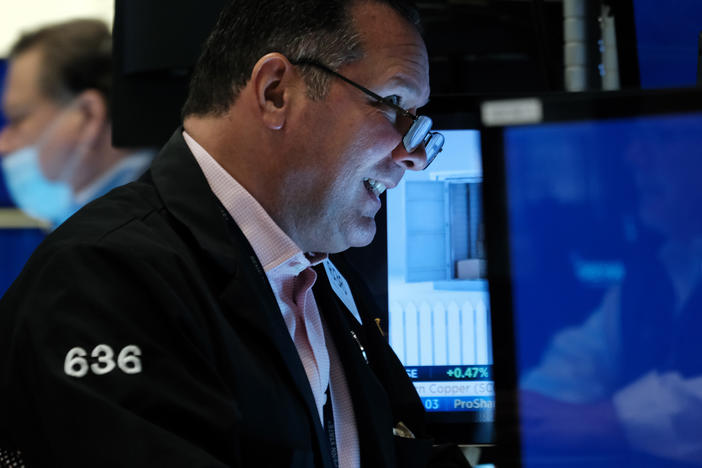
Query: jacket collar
point(187, 196)
point(247, 295)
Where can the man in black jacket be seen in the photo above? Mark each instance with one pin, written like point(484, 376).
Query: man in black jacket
point(173, 322)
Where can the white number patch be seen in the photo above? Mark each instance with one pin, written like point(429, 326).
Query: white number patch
point(101, 361)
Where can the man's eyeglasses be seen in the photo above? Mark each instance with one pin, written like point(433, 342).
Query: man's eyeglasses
point(418, 133)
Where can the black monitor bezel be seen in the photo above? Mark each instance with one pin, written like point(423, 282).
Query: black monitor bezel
point(555, 108)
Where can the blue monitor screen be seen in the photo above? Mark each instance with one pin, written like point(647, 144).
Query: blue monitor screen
point(439, 318)
point(667, 41)
point(605, 246)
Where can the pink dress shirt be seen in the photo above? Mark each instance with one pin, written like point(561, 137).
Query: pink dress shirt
point(288, 271)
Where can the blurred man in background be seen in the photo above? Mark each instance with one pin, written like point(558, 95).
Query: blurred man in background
point(56, 147)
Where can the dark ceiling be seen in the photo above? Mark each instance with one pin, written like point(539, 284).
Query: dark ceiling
point(481, 46)
point(475, 46)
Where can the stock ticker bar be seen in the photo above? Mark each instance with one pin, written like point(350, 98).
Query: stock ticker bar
point(426, 373)
point(480, 405)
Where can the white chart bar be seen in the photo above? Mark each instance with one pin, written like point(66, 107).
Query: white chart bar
point(468, 333)
point(454, 335)
point(426, 345)
point(481, 334)
point(440, 351)
point(440, 334)
point(411, 335)
point(397, 331)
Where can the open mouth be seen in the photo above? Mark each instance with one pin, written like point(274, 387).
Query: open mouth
point(374, 187)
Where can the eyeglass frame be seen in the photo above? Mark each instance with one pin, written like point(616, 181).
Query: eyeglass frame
point(418, 121)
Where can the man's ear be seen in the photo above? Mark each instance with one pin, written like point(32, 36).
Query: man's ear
point(271, 79)
point(93, 108)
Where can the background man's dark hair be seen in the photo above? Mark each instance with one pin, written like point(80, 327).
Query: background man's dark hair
point(76, 55)
point(248, 29)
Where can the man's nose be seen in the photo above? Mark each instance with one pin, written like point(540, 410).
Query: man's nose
point(414, 161)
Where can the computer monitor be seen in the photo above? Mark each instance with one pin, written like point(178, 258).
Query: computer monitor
point(594, 240)
point(666, 42)
point(439, 313)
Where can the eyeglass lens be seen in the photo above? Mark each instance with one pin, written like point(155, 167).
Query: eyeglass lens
point(420, 133)
point(433, 146)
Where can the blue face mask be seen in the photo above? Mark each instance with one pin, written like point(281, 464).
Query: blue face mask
point(33, 193)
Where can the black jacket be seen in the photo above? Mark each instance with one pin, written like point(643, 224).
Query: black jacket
point(155, 273)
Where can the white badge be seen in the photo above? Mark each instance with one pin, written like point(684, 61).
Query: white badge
point(341, 288)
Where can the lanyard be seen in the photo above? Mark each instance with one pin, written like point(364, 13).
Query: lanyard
point(331, 430)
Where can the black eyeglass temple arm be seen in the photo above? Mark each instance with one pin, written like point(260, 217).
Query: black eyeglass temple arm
point(375, 96)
